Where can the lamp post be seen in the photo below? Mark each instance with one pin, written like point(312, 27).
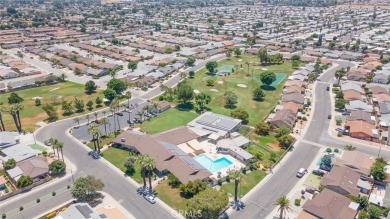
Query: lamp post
point(380, 142)
point(130, 117)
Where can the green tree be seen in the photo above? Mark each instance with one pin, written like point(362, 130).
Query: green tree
point(339, 121)
point(267, 77)
point(237, 52)
point(67, 107)
point(85, 188)
point(207, 204)
point(221, 23)
point(201, 101)
point(117, 85)
point(262, 128)
point(211, 66)
point(349, 147)
point(296, 58)
point(282, 131)
point(340, 74)
point(51, 111)
point(378, 170)
point(10, 164)
point(184, 92)
point(240, 114)
point(326, 160)
point(190, 60)
point(129, 163)
point(173, 180)
point(283, 204)
point(89, 104)
point(374, 212)
point(109, 94)
point(340, 103)
point(258, 94)
point(363, 215)
point(24, 181)
point(210, 82)
point(295, 64)
point(231, 99)
point(132, 65)
point(14, 98)
point(57, 167)
point(191, 74)
point(263, 55)
point(286, 141)
point(90, 87)
point(37, 102)
point(98, 102)
point(78, 104)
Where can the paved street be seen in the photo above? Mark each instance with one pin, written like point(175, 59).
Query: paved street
point(115, 184)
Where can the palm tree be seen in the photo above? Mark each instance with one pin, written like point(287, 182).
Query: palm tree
point(96, 115)
point(97, 133)
point(142, 160)
point(140, 114)
point(128, 96)
point(52, 142)
point(349, 147)
point(104, 113)
point(77, 120)
point(235, 175)
point(91, 131)
point(113, 107)
point(284, 205)
point(104, 122)
point(14, 110)
point(150, 165)
point(59, 146)
point(87, 117)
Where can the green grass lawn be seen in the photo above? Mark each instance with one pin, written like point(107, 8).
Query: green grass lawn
point(38, 147)
point(312, 181)
point(105, 140)
point(117, 156)
point(49, 94)
point(247, 183)
point(171, 196)
point(257, 110)
point(167, 120)
point(266, 146)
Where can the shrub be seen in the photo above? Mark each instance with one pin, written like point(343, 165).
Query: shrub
point(329, 150)
point(38, 200)
point(161, 98)
point(297, 202)
point(339, 134)
point(304, 118)
point(21, 208)
point(336, 150)
point(220, 182)
point(299, 117)
point(6, 190)
point(3, 216)
point(51, 215)
point(44, 153)
point(53, 193)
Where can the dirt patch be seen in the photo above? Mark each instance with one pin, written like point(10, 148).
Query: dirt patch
point(274, 147)
point(242, 85)
point(37, 98)
point(240, 60)
point(55, 89)
point(264, 69)
point(214, 90)
point(219, 82)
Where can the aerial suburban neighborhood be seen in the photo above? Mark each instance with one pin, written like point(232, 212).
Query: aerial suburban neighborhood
point(242, 109)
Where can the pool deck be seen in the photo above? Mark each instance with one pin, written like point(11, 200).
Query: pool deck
point(211, 152)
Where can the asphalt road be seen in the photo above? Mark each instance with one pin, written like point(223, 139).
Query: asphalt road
point(260, 204)
point(116, 183)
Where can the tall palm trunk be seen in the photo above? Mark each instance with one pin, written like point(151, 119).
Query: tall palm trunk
point(105, 128)
point(281, 213)
point(94, 143)
point(62, 155)
point(58, 153)
point(54, 150)
point(13, 114)
point(1, 122)
point(98, 144)
point(19, 121)
point(113, 116)
point(144, 176)
point(235, 190)
point(150, 181)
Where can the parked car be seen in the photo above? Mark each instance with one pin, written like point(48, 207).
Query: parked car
point(318, 172)
point(119, 114)
point(301, 172)
point(97, 121)
point(326, 168)
point(327, 88)
point(340, 130)
point(95, 155)
point(310, 190)
point(150, 199)
point(329, 116)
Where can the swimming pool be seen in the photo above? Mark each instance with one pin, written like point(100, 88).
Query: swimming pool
point(213, 166)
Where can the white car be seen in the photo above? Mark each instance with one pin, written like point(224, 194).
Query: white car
point(301, 172)
point(150, 199)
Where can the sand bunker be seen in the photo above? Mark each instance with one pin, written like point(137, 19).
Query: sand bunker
point(220, 82)
point(35, 98)
point(240, 60)
point(264, 69)
point(55, 89)
point(242, 85)
point(196, 91)
point(214, 90)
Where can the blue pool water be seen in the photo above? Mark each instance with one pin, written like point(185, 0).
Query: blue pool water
point(213, 166)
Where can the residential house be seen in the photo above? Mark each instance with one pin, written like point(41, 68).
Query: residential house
point(357, 161)
point(80, 211)
point(344, 181)
point(8, 73)
point(351, 86)
point(163, 106)
point(34, 167)
point(293, 89)
point(358, 115)
point(350, 95)
point(294, 97)
point(361, 130)
point(218, 124)
point(283, 117)
point(358, 105)
point(329, 205)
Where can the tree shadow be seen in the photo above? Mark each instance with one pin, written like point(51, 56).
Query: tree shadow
point(267, 87)
point(188, 106)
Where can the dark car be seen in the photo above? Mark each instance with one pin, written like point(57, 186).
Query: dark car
point(119, 114)
point(95, 155)
point(310, 190)
point(318, 172)
point(326, 168)
point(329, 116)
point(340, 130)
point(327, 88)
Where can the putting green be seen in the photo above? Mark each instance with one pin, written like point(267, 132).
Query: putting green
point(279, 78)
point(226, 68)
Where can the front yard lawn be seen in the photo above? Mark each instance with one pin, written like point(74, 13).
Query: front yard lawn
point(169, 119)
point(117, 156)
point(105, 140)
point(312, 181)
point(171, 196)
point(248, 182)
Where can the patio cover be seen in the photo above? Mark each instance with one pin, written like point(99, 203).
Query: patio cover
point(184, 147)
point(195, 144)
point(214, 137)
